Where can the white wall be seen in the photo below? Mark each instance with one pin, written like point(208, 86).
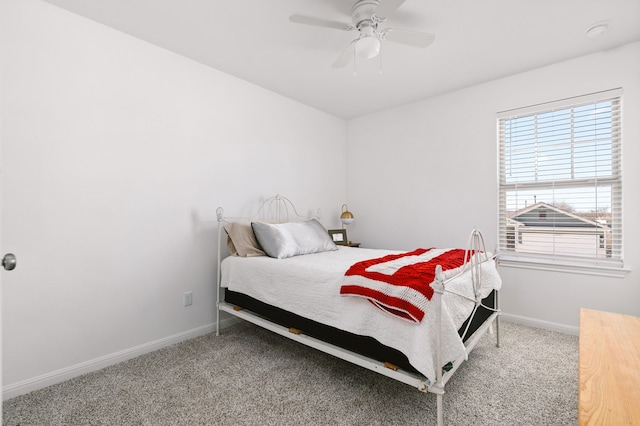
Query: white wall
point(426, 174)
point(115, 156)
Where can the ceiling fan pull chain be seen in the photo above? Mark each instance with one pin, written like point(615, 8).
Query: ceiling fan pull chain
point(355, 60)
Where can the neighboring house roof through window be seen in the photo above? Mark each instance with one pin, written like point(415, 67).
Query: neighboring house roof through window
point(546, 215)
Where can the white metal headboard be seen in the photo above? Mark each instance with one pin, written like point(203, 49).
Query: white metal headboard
point(274, 209)
point(278, 208)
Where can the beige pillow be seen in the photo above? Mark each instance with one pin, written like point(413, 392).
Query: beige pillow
point(242, 241)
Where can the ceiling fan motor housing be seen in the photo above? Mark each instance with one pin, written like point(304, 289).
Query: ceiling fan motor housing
point(362, 13)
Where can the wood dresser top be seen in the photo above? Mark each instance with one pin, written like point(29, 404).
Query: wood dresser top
point(609, 369)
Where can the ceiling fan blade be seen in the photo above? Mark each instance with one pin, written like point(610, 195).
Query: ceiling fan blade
point(411, 38)
point(387, 7)
point(345, 56)
point(318, 22)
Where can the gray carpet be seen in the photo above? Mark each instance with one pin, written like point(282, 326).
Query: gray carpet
point(249, 376)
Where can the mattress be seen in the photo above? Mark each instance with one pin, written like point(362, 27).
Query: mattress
point(309, 286)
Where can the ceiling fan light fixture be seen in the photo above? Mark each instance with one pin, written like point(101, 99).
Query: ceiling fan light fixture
point(368, 47)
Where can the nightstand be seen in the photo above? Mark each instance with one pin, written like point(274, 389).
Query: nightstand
point(352, 244)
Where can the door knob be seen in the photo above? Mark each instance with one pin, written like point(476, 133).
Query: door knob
point(9, 261)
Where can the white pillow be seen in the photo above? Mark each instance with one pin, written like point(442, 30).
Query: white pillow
point(281, 240)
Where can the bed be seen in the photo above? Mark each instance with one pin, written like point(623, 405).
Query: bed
point(355, 303)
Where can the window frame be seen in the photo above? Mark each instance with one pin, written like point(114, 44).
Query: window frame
point(507, 242)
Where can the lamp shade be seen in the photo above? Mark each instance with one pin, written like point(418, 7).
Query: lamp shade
point(346, 217)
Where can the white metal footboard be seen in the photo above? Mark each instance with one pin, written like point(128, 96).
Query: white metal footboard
point(476, 255)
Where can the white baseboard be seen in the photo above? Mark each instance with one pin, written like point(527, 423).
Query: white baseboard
point(538, 323)
point(57, 376)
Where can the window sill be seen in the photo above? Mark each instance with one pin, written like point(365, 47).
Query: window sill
point(510, 261)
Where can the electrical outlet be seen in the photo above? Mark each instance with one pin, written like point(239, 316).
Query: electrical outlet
point(188, 298)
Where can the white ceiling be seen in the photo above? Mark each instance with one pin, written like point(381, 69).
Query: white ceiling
point(476, 41)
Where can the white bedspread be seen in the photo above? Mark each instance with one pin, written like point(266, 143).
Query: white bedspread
point(309, 286)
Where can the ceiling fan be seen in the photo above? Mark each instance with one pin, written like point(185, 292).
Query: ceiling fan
point(366, 16)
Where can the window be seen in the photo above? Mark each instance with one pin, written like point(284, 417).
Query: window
point(560, 190)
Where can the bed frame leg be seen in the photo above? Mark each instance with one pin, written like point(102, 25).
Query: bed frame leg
point(217, 321)
point(219, 216)
point(497, 307)
point(440, 419)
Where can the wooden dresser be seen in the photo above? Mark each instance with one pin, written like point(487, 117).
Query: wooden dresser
point(609, 369)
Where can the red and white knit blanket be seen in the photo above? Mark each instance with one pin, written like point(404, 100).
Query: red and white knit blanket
point(400, 284)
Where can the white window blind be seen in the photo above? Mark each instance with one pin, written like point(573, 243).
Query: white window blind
point(560, 190)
